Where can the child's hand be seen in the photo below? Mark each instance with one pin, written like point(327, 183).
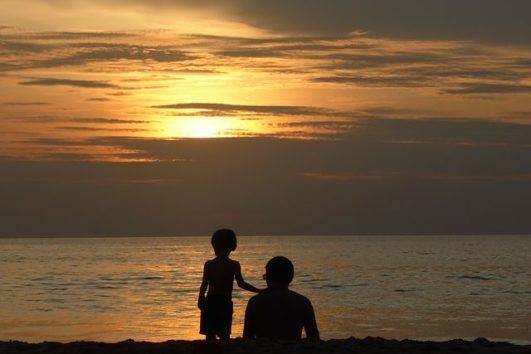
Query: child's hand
point(201, 302)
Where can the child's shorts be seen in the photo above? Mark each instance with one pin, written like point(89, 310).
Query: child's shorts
point(216, 316)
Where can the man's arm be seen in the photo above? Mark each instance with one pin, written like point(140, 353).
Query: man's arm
point(203, 287)
point(242, 283)
point(250, 320)
point(310, 325)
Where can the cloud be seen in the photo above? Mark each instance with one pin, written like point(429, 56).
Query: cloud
point(233, 108)
point(251, 53)
point(15, 46)
point(68, 156)
point(382, 111)
point(371, 62)
point(57, 142)
point(362, 183)
point(40, 119)
point(98, 99)
point(376, 81)
point(7, 67)
point(330, 178)
point(291, 47)
point(525, 115)
point(484, 178)
point(478, 142)
point(68, 82)
point(25, 103)
point(276, 42)
point(381, 134)
point(48, 119)
point(77, 35)
point(340, 178)
point(499, 72)
point(109, 121)
point(152, 181)
point(521, 63)
point(456, 132)
point(417, 69)
point(363, 60)
point(300, 47)
point(489, 88)
point(102, 129)
point(163, 55)
point(355, 60)
point(319, 124)
point(450, 19)
point(499, 21)
point(73, 50)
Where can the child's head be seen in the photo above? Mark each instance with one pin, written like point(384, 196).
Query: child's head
point(224, 241)
point(279, 270)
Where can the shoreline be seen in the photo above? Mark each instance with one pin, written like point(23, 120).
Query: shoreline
point(369, 345)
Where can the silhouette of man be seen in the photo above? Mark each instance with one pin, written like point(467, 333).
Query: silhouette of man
point(277, 312)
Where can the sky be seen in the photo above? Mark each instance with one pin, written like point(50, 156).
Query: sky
point(344, 117)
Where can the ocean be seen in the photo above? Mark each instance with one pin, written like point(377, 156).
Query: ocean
point(417, 287)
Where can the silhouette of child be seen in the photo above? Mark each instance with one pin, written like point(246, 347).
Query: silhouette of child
point(218, 277)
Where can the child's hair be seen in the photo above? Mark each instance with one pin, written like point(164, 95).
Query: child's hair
point(224, 240)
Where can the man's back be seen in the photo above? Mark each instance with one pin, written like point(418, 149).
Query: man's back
point(279, 314)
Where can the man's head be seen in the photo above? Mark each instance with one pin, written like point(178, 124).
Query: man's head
point(279, 271)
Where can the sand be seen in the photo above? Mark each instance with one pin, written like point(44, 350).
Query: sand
point(238, 346)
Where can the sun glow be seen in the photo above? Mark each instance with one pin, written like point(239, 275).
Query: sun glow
point(202, 127)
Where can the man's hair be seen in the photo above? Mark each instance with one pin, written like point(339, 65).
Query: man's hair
point(224, 240)
point(280, 270)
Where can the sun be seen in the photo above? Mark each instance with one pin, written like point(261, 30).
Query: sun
point(199, 127)
point(202, 127)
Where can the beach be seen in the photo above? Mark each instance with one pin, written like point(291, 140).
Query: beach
point(369, 345)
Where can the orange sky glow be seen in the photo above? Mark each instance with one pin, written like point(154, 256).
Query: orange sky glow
point(75, 85)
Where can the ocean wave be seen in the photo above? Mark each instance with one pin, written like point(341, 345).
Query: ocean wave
point(472, 277)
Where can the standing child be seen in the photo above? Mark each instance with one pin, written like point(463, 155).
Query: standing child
point(218, 277)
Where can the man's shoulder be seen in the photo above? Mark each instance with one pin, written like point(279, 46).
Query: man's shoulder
point(260, 297)
point(255, 298)
point(298, 297)
point(256, 301)
point(293, 295)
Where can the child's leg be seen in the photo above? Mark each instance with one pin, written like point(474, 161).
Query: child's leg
point(210, 338)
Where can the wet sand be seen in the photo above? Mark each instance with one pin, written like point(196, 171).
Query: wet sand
point(368, 345)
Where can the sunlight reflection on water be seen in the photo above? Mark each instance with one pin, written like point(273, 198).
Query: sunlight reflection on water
point(146, 288)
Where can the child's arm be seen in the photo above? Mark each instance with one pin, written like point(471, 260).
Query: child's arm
point(242, 283)
point(203, 288)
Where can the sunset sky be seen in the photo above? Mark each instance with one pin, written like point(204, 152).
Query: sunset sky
point(160, 117)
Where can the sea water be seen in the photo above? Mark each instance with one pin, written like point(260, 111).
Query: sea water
point(417, 287)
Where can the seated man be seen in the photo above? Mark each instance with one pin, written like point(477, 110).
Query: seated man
point(277, 312)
